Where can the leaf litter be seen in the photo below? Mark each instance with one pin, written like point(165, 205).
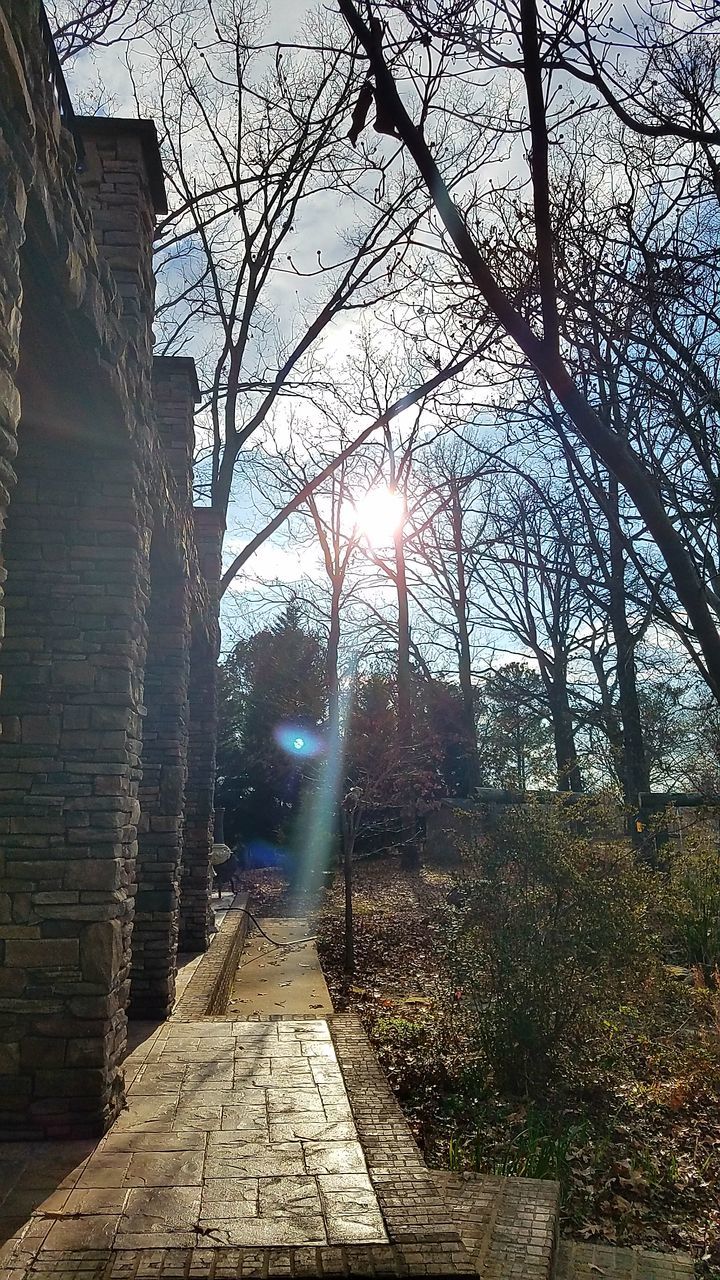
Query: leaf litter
point(634, 1141)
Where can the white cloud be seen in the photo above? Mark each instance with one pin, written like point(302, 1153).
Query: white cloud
point(273, 562)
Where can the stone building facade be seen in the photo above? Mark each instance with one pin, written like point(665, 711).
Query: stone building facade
point(110, 635)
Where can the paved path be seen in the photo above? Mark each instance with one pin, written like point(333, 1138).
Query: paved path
point(273, 982)
point(272, 1146)
point(262, 1145)
point(235, 1134)
point(200, 1178)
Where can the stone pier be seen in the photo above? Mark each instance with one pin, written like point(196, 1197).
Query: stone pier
point(196, 916)
point(110, 611)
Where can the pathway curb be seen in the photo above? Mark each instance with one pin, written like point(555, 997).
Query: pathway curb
point(207, 992)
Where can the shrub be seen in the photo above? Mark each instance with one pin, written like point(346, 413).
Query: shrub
point(540, 1148)
point(413, 1055)
point(553, 928)
point(695, 894)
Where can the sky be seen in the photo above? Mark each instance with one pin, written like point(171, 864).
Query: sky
point(108, 65)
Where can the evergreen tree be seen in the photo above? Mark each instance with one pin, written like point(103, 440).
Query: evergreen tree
point(272, 708)
point(515, 729)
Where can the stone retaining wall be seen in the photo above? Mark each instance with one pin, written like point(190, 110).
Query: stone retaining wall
point(162, 789)
point(195, 913)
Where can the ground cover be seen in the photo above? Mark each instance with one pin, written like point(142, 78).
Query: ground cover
point(632, 1131)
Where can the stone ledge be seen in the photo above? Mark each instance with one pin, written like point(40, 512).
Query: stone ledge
point(207, 992)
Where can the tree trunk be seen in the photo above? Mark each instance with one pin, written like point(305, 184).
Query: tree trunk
point(404, 688)
point(471, 762)
point(410, 849)
point(331, 665)
point(611, 722)
point(348, 842)
point(635, 772)
point(568, 769)
point(520, 760)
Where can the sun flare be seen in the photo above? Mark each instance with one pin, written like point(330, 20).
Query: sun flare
point(379, 513)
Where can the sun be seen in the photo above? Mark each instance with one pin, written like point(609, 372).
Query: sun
point(379, 514)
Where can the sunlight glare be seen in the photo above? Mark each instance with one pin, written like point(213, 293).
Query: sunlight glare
point(379, 513)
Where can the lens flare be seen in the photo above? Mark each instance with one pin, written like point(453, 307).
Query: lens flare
point(297, 741)
point(321, 832)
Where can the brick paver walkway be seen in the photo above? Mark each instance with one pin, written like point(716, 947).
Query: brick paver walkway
point(593, 1261)
point(242, 1152)
point(505, 1223)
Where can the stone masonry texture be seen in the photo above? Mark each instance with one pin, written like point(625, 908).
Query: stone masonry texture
point(195, 913)
point(108, 628)
point(162, 788)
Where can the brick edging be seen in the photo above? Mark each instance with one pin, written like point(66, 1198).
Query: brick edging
point(578, 1261)
point(509, 1225)
point(416, 1217)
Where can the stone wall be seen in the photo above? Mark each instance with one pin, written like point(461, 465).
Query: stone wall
point(175, 394)
point(121, 179)
point(197, 875)
point(103, 576)
point(69, 769)
point(166, 723)
point(162, 788)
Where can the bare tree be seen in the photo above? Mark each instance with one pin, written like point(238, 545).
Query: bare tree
point(446, 542)
point(529, 573)
point(79, 26)
point(328, 520)
point(258, 155)
point(382, 45)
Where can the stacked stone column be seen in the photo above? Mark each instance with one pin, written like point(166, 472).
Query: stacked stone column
point(162, 789)
point(165, 728)
point(122, 180)
point(195, 912)
point(98, 548)
point(69, 768)
point(76, 549)
point(175, 394)
point(13, 203)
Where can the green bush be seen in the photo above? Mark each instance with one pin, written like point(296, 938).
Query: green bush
point(554, 927)
point(695, 897)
